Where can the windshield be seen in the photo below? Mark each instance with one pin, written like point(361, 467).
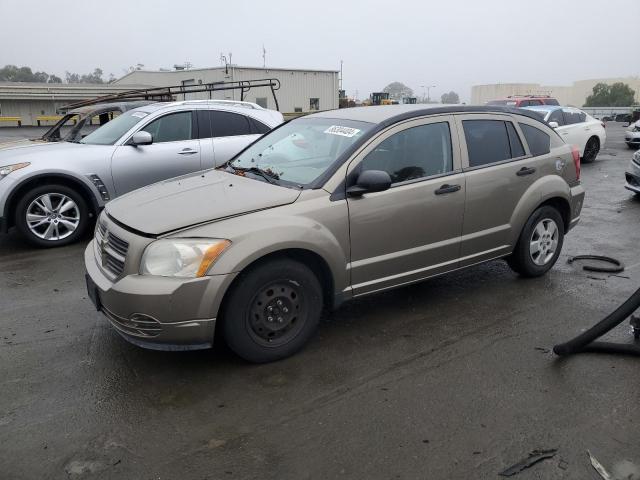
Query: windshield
point(540, 113)
point(301, 150)
point(62, 128)
point(110, 133)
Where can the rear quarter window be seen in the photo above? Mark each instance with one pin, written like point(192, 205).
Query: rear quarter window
point(539, 142)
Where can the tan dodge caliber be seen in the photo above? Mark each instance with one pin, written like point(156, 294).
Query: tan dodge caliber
point(326, 208)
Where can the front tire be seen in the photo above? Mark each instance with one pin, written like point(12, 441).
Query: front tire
point(272, 310)
point(539, 244)
point(52, 216)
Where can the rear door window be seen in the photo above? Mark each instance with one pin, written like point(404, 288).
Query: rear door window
point(228, 124)
point(538, 141)
point(569, 117)
point(490, 141)
point(517, 150)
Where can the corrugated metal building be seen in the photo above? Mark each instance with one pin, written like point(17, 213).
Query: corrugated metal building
point(300, 90)
point(575, 94)
point(28, 101)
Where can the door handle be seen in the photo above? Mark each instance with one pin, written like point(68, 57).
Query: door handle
point(446, 188)
point(525, 171)
point(187, 151)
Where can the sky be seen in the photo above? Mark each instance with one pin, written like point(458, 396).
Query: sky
point(452, 44)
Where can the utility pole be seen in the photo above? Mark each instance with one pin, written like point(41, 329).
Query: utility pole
point(429, 87)
point(264, 57)
point(341, 87)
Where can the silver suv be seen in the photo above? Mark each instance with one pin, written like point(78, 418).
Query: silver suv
point(325, 208)
point(49, 191)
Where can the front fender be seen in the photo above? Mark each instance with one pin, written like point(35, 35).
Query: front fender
point(542, 190)
point(256, 236)
point(27, 177)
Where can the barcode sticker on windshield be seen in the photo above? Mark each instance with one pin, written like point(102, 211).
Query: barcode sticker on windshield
point(139, 114)
point(343, 131)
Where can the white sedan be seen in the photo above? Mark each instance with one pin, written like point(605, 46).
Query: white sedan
point(576, 128)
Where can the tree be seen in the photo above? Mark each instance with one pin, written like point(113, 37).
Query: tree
point(95, 77)
point(397, 91)
point(450, 98)
point(617, 95)
point(12, 73)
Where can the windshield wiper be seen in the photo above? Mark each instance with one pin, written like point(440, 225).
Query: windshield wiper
point(268, 176)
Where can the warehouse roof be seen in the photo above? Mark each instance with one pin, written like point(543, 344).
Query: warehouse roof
point(236, 67)
point(59, 91)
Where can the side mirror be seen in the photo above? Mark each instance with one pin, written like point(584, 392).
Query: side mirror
point(553, 124)
point(370, 181)
point(141, 138)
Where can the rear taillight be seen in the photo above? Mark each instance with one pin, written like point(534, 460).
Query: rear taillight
point(576, 160)
point(603, 125)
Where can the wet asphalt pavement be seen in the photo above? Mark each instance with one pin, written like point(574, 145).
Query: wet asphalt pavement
point(451, 378)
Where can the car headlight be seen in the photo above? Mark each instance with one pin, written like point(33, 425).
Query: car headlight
point(7, 169)
point(636, 157)
point(636, 129)
point(181, 257)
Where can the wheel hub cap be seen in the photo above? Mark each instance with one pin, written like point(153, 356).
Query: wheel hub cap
point(275, 312)
point(544, 241)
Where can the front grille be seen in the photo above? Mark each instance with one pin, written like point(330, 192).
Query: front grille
point(137, 325)
point(111, 250)
point(632, 180)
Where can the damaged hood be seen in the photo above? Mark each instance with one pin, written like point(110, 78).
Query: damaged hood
point(194, 199)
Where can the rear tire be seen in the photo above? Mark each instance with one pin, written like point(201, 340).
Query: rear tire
point(51, 216)
point(539, 244)
point(272, 311)
point(591, 150)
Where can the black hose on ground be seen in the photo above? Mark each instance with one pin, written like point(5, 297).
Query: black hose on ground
point(585, 341)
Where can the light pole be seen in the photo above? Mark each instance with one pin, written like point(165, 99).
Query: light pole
point(429, 87)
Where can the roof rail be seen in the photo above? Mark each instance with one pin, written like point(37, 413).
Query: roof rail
point(167, 94)
point(529, 96)
point(231, 103)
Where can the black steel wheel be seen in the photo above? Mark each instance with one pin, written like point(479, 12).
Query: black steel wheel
point(272, 310)
point(275, 312)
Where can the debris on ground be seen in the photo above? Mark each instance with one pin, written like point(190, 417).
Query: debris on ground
point(624, 470)
point(598, 467)
point(617, 267)
point(533, 458)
